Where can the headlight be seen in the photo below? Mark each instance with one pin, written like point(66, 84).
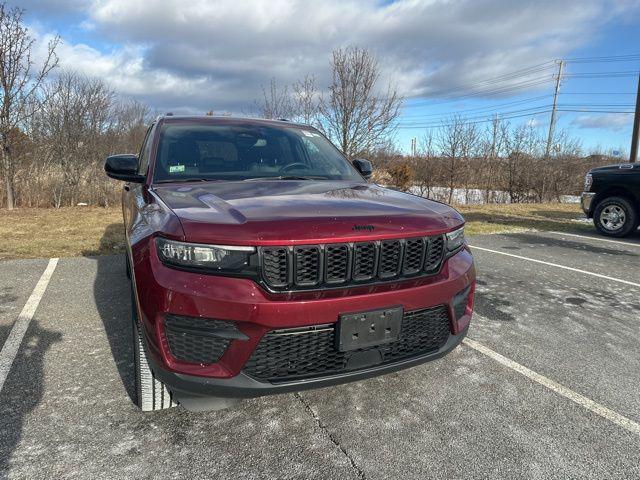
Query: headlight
point(216, 257)
point(588, 181)
point(455, 239)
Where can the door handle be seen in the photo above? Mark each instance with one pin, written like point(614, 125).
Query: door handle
point(127, 188)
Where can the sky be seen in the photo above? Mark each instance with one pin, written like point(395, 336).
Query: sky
point(475, 58)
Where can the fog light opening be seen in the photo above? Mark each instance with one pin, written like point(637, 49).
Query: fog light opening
point(460, 302)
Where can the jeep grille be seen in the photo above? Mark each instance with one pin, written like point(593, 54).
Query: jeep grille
point(337, 264)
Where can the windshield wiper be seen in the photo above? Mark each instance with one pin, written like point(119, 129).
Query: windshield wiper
point(177, 180)
point(286, 177)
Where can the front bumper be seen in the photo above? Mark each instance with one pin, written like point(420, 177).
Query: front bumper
point(243, 386)
point(586, 202)
point(161, 291)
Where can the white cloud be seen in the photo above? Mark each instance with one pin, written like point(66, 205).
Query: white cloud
point(201, 54)
point(605, 121)
point(533, 122)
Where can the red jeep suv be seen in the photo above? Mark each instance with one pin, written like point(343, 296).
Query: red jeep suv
point(261, 261)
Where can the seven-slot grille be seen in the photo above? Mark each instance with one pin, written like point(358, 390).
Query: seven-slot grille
point(313, 266)
point(296, 353)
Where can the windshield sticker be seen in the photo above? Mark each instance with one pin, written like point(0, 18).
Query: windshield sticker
point(308, 134)
point(176, 168)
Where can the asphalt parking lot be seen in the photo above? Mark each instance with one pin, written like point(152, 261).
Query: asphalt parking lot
point(547, 386)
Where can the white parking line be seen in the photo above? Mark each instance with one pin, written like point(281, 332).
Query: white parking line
point(619, 280)
point(11, 346)
point(581, 400)
point(598, 239)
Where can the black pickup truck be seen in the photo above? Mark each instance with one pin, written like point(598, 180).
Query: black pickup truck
point(612, 198)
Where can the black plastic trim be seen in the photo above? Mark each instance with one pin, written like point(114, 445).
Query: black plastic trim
point(253, 272)
point(349, 265)
point(217, 328)
point(243, 386)
point(374, 279)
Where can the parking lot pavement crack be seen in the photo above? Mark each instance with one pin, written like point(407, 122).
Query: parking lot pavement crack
point(354, 466)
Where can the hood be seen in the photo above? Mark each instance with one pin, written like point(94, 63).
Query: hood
point(617, 168)
point(289, 212)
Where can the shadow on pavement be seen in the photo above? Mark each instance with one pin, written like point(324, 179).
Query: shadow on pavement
point(111, 291)
point(571, 245)
point(23, 388)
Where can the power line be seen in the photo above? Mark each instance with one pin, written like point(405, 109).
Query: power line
point(490, 81)
point(454, 114)
point(598, 93)
point(497, 91)
point(486, 107)
point(502, 115)
point(491, 119)
point(561, 107)
point(595, 111)
point(529, 78)
point(505, 117)
point(627, 73)
point(528, 82)
point(588, 105)
point(611, 58)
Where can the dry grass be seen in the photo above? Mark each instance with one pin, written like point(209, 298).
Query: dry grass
point(501, 218)
point(76, 231)
point(64, 232)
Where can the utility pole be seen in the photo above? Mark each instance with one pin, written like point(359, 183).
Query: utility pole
point(414, 147)
point(552, 123)
point(494, 139)
point(633, 157)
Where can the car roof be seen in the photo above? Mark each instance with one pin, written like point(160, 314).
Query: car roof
point(228, 120)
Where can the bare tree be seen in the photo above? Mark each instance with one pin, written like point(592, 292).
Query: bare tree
point(20, 85)
point(276, 102)
point(73, 122)
point(522, 174)
point(492, 148)
point(354, 114)
point(424, 165)
point(306, 104)
point(402, 175)
point(457, 140)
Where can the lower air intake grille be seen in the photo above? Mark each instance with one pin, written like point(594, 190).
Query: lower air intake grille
point(290, 354)
point(198, 340)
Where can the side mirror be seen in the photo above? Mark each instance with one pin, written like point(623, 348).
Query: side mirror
point(364, 167)
point(123, 167)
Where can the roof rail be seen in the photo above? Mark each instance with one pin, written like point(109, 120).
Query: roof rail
point(163, 115)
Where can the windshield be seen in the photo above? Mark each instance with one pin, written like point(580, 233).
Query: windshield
point(248, 151)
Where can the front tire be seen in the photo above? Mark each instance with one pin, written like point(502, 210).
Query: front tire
point(151, 393)
point(615, 217)
point(127, 265)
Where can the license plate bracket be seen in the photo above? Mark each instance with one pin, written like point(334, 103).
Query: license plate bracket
point(367, 329)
